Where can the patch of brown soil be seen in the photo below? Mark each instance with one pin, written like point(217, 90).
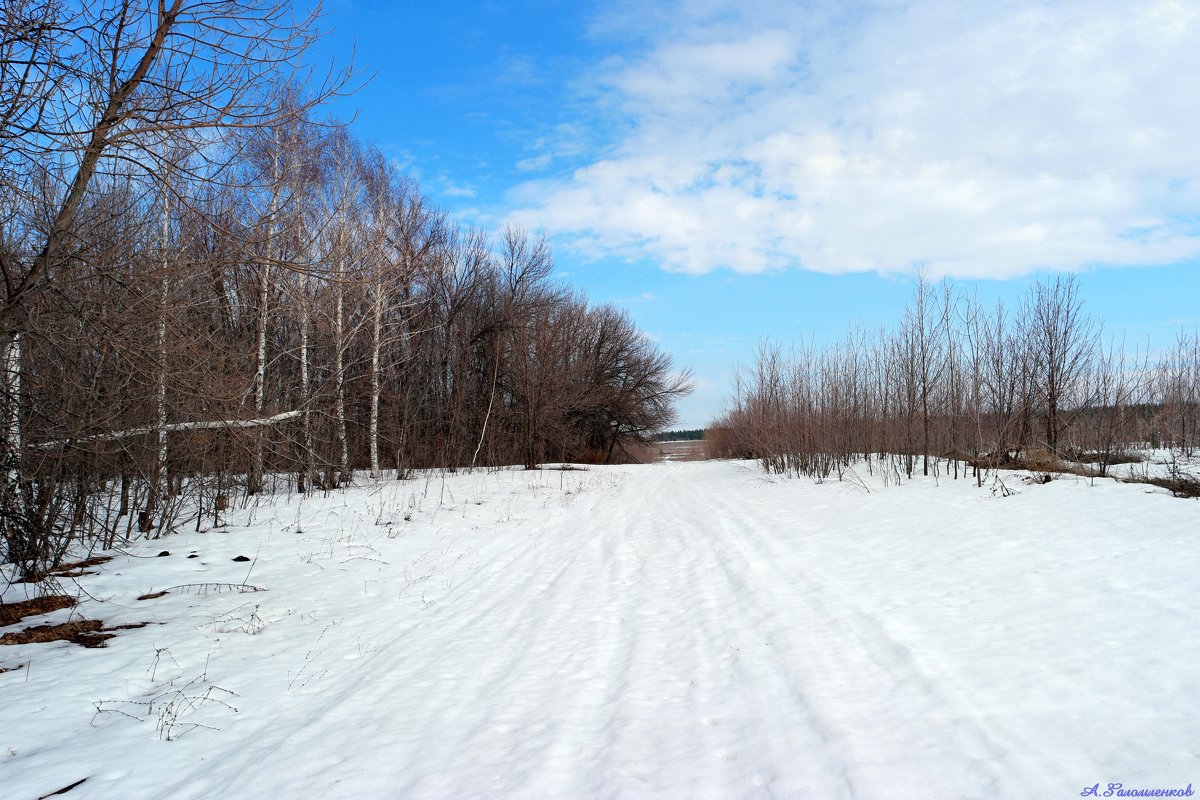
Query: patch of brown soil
point(1040, 461)
point(11, 613)
point(75, 570)
point(1187, 488)
point(1112, 459)
point(91, 562)
point(83, 632)
point(153, 595)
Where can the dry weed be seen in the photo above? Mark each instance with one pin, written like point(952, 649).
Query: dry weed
point(11, 613)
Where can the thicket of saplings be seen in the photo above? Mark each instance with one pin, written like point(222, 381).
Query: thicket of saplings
point(960, 389)
point(201, 308)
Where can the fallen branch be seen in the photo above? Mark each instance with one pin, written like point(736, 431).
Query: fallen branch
point(231, 424)
point(213, 588)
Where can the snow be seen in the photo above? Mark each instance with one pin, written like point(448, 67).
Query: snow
point(677, 630)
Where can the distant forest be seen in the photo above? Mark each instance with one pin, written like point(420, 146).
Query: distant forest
point(693, 435)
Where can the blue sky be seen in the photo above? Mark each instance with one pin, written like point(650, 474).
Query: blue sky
point(729, 171)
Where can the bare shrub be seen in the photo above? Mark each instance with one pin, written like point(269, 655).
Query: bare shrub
point(959, 390)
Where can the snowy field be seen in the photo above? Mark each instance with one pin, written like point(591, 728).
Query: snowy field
point(687, 630)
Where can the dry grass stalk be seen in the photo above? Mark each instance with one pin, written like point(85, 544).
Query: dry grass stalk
point(11, 613)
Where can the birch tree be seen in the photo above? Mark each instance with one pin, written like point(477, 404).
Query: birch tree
point(89, 89)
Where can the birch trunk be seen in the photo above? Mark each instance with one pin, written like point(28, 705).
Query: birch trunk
point(339, 368)
point(12, 414)
point(306, 396)
point(203, 425)
point(260, 376)
point(404, 354)
point(14, 544)
point(264, 287)
point(307, 463)
point(339, 328)
point(376, 343)
point(160, 479)
point(381, 265)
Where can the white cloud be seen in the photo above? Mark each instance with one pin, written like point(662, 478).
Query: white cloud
point(983, 139)
point(563, 141)
point(458, 191)
point(535, 163)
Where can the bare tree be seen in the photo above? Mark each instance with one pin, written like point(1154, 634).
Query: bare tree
point(203, 289)
point(130, 87)
point(141, 74)
point(1063, 340)
point(1178, 389)
point(925, 350)
point(1118, 382)
point(886, 399)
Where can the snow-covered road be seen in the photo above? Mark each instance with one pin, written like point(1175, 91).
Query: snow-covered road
point(680, 630)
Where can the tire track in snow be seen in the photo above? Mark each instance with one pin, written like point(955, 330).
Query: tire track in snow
point(646, 686)
point(653, 638)
point(533, 655)
point(464, 690)
point(780, 724)
point(889, 676)
point(556, 688)
point(698, 717)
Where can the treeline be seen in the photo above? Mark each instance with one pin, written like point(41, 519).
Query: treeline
point(206, 298)
point(691, 435)
point(961, 388)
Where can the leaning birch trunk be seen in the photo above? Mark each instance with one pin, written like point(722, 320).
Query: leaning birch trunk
point(488, 415)
point(200, 425)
